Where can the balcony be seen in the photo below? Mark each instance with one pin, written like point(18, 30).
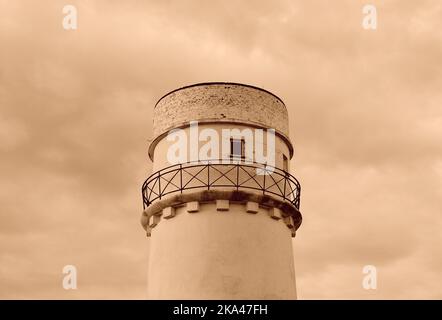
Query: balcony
point(215, 174)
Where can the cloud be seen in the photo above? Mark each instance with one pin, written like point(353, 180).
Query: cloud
point(76, 116)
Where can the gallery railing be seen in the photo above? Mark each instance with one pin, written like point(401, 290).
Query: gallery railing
point(213, 174)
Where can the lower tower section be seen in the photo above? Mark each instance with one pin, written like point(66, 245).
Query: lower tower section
point(221, 244)
point(221, 254)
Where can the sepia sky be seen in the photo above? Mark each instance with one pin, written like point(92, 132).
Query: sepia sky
point(365, 111)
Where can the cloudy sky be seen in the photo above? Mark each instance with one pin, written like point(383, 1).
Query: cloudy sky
point(365, 112)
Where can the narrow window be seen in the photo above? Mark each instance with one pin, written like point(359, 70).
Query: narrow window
point(237, 148)
point(285, 163)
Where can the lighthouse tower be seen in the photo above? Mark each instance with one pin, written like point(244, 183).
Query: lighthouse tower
point(221, 207)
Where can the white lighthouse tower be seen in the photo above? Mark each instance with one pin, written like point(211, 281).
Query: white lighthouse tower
point(220, 226)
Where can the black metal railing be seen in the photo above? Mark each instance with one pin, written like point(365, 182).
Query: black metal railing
point(221, 174)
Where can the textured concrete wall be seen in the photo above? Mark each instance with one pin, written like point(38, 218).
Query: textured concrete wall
point(221, 102)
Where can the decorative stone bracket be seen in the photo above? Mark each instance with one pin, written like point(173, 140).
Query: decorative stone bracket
point(277, 210)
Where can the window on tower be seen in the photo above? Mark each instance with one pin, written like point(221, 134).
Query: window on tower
point(237, 148)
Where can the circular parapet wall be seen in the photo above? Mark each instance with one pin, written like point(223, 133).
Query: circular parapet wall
point(220, 102)
point(277, 209)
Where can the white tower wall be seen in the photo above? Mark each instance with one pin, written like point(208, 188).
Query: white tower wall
point(214, 254)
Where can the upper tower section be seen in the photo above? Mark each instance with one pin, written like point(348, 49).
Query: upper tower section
point(220, 102)
point(218, 142)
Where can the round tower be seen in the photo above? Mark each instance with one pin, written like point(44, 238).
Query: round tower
point(220, 207)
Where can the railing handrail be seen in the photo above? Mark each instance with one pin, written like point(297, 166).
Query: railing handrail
point(244, 163)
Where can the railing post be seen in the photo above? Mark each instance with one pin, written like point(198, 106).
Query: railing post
point(159, 184)
point(208, 176)
point(298, 200)
point(264, 185)
point(285, 182)
point(181, 178)
point(237, 177)
point(142, 195)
